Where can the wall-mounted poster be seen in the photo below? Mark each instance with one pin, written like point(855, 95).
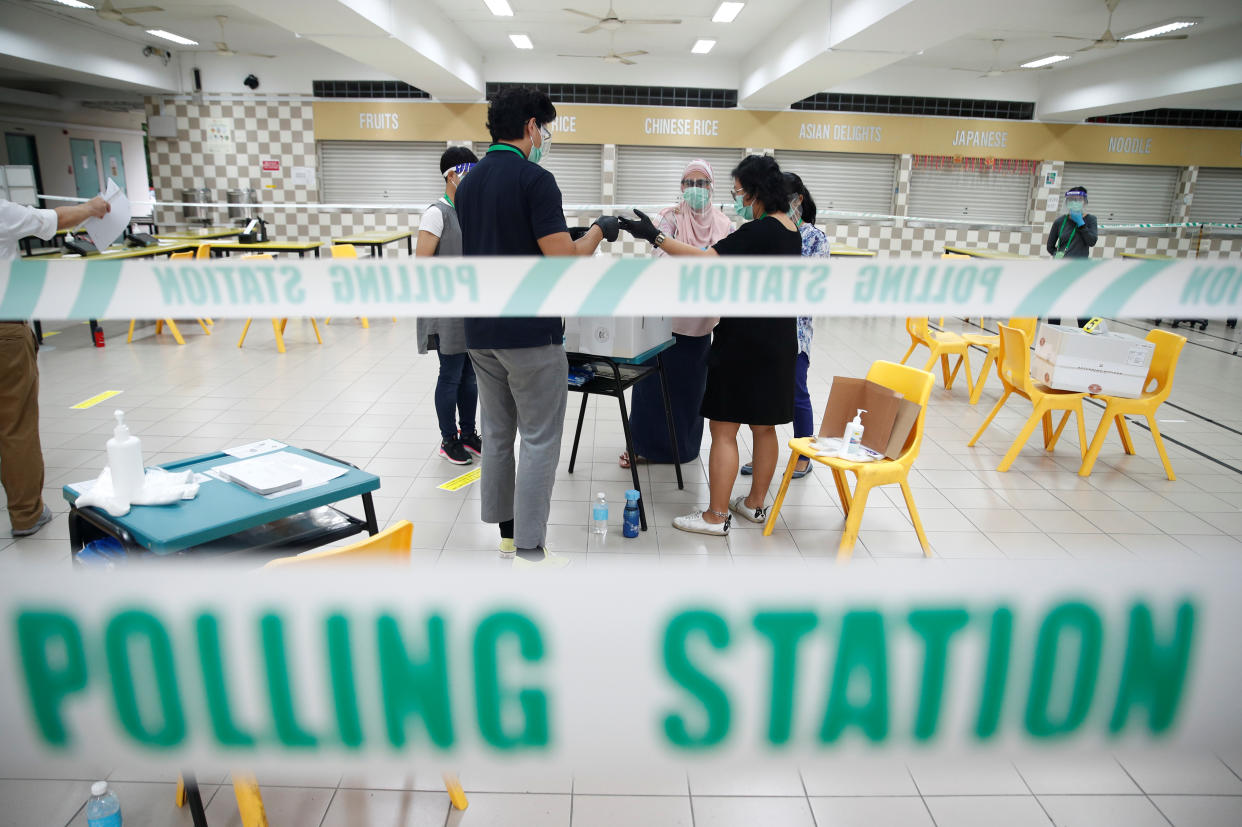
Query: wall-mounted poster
point(219, 136)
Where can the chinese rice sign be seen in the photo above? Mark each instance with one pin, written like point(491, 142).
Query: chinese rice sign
point(779, 665)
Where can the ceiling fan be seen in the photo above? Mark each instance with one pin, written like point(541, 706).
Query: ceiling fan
point(106, 11)
point(992, 71)
point(610, 22)
point(1108, 40)
point(613, 55)
point(222, 48)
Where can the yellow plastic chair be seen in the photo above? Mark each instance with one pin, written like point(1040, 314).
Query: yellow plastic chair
point(203, 251)
point(278, 325)
point(1015, 375)
point(349, 251)
point(1163, 366)
point(942, 345)
point(390, 545)
point(915, 385)
point(991, 341)
point(172, 326)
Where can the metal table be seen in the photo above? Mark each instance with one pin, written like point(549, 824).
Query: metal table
point(618, 375)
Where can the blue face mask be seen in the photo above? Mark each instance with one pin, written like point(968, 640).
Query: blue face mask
point(697, 198)
point(1075, 208)
point(744, 210)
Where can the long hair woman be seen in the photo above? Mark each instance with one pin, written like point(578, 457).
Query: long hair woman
point(750, 373)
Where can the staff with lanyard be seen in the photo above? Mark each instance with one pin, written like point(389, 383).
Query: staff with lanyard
point(1073, 233)
point(510, 206)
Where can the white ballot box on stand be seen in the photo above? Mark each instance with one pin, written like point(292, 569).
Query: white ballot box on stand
point(1069, 359)
point(618, 337)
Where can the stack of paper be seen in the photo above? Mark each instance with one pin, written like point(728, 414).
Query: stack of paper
point(104, 231)
point(265, 474)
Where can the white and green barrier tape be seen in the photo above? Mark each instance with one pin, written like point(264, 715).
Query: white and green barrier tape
point(605, 286)
point(216, 668)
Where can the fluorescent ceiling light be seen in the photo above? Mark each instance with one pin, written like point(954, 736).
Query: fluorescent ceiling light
point(1045, 61)
point(1163, 28)
point(500, 8)
point(75, 4)
point(702, 47)
point(727, 12)
point(521, 41)
point(175, 38)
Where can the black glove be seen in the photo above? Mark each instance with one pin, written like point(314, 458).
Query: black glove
point(610, 225)
point(640, 227)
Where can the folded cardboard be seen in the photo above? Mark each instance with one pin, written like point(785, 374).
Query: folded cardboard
point(887, 422)
point(621, 337)
point(1070, 359)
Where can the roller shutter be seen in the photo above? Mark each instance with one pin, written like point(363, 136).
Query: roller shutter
point(380, 172)
point(1218, 196)
point(578, 169)
point(845, 181)
point(975, 195)
point(651, 175)
point(1125, 193)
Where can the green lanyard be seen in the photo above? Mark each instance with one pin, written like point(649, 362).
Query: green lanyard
point(450, 200)
point(509, 147)
point(1061, 252)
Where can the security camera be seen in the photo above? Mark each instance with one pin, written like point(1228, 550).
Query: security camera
point(251, 82)
point(162, 54)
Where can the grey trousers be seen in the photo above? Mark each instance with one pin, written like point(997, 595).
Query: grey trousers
point(521, 391)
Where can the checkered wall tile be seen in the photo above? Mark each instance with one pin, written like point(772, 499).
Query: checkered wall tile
point(283, 130)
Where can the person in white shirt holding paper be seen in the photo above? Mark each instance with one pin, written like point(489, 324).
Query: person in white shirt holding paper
point(21, 456)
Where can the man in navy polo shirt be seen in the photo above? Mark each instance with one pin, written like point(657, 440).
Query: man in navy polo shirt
point(510, 206)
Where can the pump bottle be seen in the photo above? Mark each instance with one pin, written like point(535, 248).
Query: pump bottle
point(125, 460)
point(851, 441)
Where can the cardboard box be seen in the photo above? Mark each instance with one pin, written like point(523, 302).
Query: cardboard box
point(1069, 359)
point(616, 336)
point(887, 422)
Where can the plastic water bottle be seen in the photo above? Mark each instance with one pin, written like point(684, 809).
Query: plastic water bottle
point(103, 810)
point(599, 515)
point(630, 521)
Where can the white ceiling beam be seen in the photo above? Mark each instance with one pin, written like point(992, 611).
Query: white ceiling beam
point(414, 42)
point(848, 39)
point(1186, 74)
point(48, 45)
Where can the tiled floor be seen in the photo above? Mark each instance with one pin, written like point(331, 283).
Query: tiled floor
point(365, 396)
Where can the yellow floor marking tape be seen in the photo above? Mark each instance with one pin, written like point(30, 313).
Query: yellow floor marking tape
point(465, 479)
point(51, 333)
point(94, 400)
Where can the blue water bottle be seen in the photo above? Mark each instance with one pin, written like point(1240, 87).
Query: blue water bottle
point(629, 524)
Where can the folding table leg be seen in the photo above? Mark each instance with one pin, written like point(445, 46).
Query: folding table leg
point(668, 415)
point(573, 455)
point(629, 446)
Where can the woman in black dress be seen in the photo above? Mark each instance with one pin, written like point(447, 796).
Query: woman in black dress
point(750, 373)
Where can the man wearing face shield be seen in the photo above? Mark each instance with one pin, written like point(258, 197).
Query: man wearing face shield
point(1073, 234)
point(457, 394)
point(695, 221)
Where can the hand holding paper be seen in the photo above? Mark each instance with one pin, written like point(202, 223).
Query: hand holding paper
point(107, 229)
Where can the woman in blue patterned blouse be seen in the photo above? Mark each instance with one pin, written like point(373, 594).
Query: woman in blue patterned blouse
point(815, 245)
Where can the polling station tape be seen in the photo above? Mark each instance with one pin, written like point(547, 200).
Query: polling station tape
point(214, 668)
point(607, 286)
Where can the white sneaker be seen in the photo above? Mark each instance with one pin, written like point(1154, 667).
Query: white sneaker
point(549, 561)
point(507, 547)
point(695, 523)
point(755, 515)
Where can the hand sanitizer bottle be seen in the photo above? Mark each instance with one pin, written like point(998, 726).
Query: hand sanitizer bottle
point(851, 441)
point(125, 460)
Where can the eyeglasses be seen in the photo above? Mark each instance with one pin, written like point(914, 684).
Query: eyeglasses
point(544, 133)
point(737, 192)
point(696, 182)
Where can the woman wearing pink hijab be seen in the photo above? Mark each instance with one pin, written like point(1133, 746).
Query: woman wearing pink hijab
point(694, 220)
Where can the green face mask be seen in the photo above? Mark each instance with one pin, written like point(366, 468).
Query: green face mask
point(537, 153)
point(697, 198)
point(741, 209)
